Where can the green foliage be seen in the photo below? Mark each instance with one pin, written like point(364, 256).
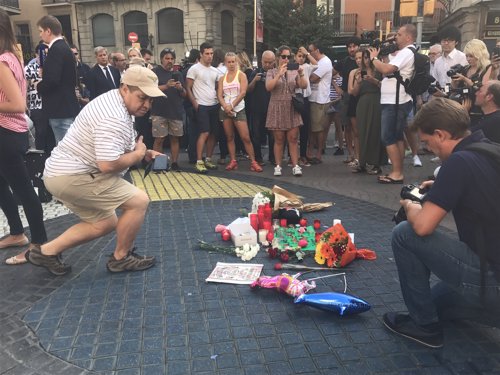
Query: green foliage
point(294, 26)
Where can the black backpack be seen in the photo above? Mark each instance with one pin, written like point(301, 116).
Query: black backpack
point(422, 79)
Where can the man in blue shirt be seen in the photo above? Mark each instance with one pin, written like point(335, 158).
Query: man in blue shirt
point(468, 268)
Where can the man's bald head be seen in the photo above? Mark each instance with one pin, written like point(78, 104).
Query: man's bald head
point(268, 60)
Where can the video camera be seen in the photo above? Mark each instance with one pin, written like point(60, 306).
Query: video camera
point(387, 46)
point(456, 94)
point(412, 192)
point(456, 69)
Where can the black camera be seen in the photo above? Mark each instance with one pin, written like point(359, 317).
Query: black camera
point(412, 192)
point(434, 87)
point(456, 69)
point(262, 77)
point(387, 46)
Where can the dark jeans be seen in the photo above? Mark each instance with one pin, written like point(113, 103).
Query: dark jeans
point(13, 174)
point(258, 135)
point(457, 295)
point(44, 136)
point(304, 129)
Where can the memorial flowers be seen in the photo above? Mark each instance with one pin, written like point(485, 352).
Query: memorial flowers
point(246, 252)
point(336, 249)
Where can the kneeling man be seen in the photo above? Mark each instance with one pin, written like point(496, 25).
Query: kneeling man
point(85, 172)
point(469, 267)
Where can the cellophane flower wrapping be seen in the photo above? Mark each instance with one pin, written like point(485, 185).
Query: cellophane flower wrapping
point(335, 247)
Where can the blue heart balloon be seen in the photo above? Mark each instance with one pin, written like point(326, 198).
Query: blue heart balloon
point(342, 303)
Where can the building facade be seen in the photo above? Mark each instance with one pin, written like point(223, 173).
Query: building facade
point(478, 19)
point(178, 24)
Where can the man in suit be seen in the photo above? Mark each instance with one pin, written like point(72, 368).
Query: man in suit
point(57, 87)
point(102, 77)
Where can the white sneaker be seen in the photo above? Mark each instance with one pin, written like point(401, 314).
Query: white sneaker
point(436, 159)
point(416, 161)
point(277, 170)
point(297, 171)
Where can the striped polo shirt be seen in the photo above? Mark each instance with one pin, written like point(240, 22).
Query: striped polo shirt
point(103, 131)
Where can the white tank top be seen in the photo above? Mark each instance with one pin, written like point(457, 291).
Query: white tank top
point(231, 90)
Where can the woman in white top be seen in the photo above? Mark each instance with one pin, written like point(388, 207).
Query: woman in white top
point(231, 90)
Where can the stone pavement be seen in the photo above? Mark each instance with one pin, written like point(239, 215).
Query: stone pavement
point(168, 320)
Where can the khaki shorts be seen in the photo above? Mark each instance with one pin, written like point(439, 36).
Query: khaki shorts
point(240, 116)
point(91, 199)
point(163, 126)
point(319, 117)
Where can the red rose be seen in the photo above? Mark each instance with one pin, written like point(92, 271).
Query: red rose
point(284, 257)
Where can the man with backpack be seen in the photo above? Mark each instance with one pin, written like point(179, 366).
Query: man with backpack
point(395, 101)
point(468, 267)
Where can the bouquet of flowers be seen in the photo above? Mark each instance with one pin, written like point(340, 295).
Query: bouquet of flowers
point(262, 198)
point(336, 249)
point(284, 253)
point(245, 252)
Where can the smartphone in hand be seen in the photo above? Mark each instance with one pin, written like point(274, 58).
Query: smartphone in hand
point(160, 163)
point(292, 66)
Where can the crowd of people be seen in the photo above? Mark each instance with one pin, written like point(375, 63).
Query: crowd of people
point(87, 120)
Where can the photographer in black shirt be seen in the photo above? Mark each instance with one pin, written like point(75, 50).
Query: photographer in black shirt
point(469, 267)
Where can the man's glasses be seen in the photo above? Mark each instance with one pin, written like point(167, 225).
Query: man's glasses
point(285, 57)
point(169, 50)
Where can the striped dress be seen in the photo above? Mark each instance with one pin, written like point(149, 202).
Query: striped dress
point(103, 131)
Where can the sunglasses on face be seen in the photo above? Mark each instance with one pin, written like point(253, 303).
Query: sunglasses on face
point(285, 57)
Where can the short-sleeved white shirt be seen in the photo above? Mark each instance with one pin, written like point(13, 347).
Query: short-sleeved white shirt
point(320, 91)
point(103, 131)
point(444, 63)
point(308, 69)
point(205, 79)
point(404, 61)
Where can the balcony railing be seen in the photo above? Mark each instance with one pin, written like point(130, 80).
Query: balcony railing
point(344, 24)
point(431, 23)
point(10, 5)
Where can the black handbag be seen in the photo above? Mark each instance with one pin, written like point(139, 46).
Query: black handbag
point(298, 102)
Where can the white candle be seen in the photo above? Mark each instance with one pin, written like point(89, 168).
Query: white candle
point(263, 235)
point(352, 237)
point(337, 221)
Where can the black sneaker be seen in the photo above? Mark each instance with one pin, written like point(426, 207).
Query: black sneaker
point(132, 262)
point(430, 335)
point(175, 167)
point(339, 151)
point(53, 263)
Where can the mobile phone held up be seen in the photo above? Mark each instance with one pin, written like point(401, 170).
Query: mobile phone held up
point(496, 52)
point(292, 66)
point(42, 54)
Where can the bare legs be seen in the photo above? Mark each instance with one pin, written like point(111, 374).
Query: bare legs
point(127, 226)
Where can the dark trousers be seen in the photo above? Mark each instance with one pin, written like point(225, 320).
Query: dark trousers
point(304, 129)
point(13, 174)
point(258, 135)
point(44, 136)
point(143, 127)
point(192, 133)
